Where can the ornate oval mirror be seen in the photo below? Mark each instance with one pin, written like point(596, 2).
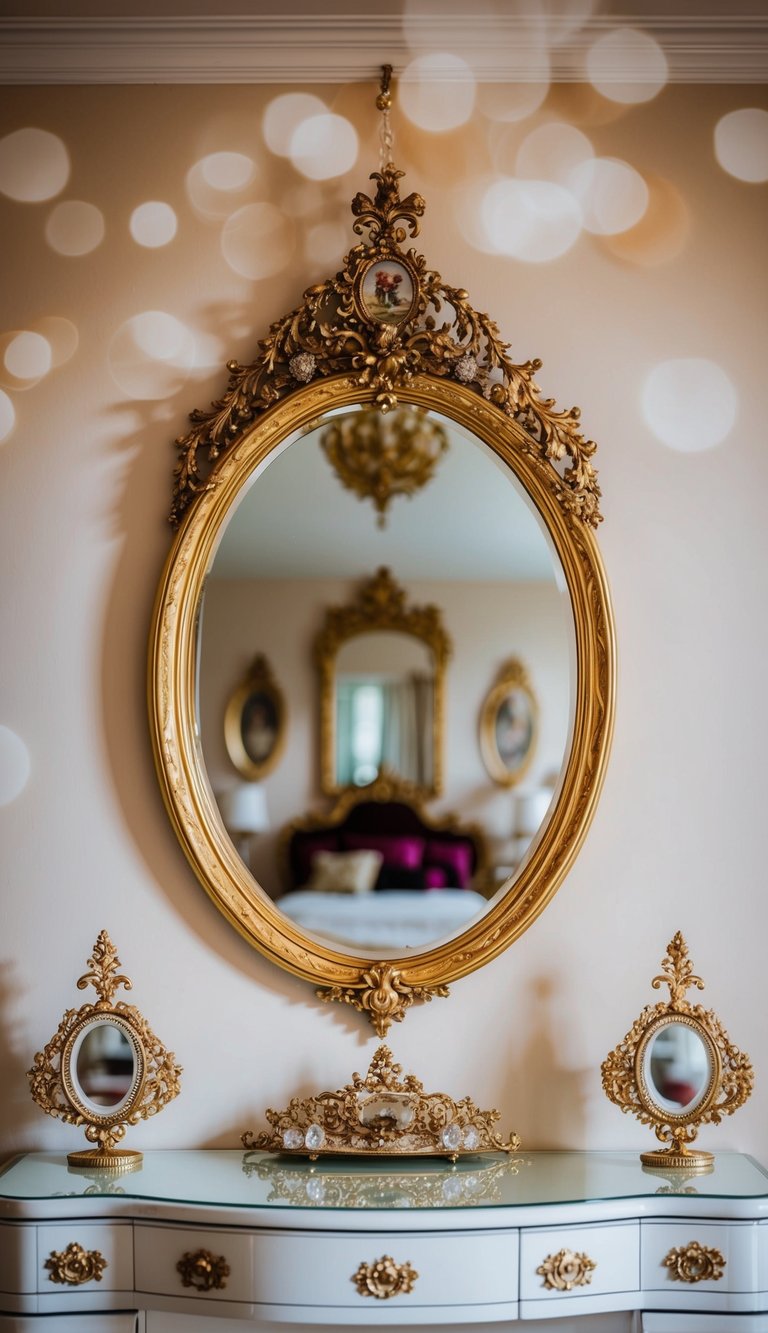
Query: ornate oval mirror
point(493, 544)
point(102, 1067)
point(680, 1065)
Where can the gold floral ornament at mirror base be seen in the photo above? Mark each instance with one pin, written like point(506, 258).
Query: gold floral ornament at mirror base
point(381, 1115)
point(54, 1083)
point(730, 1080)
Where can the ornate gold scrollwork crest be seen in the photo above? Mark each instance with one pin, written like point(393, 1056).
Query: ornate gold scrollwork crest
point(381, 1115)
point(695, 1263)
point(378, 323)
point(384, 1278)
point(104, 1068)
point(74, 1266)
point(565, 1270)
point(677, 1068)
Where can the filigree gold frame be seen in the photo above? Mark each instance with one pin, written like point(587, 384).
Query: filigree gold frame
point(379, 605)
point(729, 1081)
point(381, 1115)
point(512, 676)
point(330, 354)
point(53, 1077)
point(258, 681)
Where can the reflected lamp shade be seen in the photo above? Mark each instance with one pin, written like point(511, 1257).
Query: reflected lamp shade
point(244, 808)
point(530, 811)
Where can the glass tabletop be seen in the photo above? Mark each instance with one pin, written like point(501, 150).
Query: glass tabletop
point(261, 1180)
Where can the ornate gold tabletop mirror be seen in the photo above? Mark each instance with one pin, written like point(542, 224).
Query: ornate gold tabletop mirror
point(478, 462)
point(104, 1068)
point(677, 1068)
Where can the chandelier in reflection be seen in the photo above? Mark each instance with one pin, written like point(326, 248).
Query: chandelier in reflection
point(380, 456)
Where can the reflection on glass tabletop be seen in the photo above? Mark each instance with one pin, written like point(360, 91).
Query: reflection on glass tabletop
point(261, 1180)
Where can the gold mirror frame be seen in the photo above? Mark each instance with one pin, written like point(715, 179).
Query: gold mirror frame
point(259, 680)
point(380, 605)
point(331, 353)
point(512, 676)
point(727, 1086)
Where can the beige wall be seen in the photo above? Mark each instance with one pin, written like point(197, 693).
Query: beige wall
point(678, 838)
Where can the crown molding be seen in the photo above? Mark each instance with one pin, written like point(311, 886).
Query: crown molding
point(342, 48)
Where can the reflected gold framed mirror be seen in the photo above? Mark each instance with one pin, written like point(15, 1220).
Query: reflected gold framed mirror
point(269, 535)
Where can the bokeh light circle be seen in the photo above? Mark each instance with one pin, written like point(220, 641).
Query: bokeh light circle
point(34, 165)
point(437, 92)
point(324, 146)
point(61, 335)
point(552, 151)
point(153, 224)
point(612, 194)
point(15, 765)
point(689, 403)
point(7, 416)
point(741, 144)
point(257, 241)
point(627, 65)
point(75, 228)
point(227, 171)
point(534, 221)
point(151, 355)
point(283, 116)
point(28, 356)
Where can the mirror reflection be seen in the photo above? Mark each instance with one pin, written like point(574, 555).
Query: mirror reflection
point(105, 1065)
point(678, 1067)
point(468, 543)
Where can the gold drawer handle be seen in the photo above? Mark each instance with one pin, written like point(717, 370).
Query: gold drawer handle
point(565, 1270)
point(384, 1278)
point(74, 1266)
point(695, 1263)
point(202, 1271)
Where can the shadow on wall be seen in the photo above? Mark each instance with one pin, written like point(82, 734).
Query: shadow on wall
point(18, 1113)
point(547, 1096)
point(138, 517)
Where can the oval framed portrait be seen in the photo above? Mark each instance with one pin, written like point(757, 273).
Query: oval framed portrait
point(254, 722)
point(509, 725)
point(387, 291)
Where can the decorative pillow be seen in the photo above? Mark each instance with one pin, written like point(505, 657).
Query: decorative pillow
point(397, 853)
point(435, 877)
point(344, 872)
point(453, 857)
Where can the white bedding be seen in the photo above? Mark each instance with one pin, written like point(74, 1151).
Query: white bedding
point(392, 919)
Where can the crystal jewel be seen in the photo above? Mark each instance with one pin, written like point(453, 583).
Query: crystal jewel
point(466, 368)
point(302, 366)
point(471, 1138)
point(293, 1138)
point(315, 1137)
point(451, 1137)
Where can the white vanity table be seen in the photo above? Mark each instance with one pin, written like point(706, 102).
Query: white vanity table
point(282, 1240)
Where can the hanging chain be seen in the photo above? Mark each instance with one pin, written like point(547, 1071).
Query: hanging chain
point(384, 104)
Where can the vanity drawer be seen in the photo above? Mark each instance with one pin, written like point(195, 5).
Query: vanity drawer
point(85, 1257)
point(579, 1261)
point(699, 1256)
point(319, 1268)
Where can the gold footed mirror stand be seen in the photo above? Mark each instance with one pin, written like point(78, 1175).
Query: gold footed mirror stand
point(677, 1068)
point(104, 1068)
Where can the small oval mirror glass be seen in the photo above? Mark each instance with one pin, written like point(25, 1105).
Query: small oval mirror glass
point(678, 1068)
point(104, 1066)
